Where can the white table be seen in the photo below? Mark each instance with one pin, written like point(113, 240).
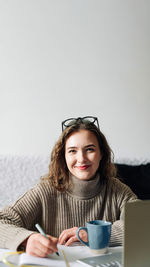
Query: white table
point(73, 253)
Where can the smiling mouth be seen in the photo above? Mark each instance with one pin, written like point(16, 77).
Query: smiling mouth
point(83, 167)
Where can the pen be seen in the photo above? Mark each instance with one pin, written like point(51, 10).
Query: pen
point(38, 227)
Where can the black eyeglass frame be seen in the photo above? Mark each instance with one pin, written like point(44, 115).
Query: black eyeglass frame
point(95, 119)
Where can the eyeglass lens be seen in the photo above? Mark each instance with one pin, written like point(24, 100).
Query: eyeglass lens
point(87, 119)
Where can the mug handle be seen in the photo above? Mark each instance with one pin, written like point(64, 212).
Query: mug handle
point(77, 232)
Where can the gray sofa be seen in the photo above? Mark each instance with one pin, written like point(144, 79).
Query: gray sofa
point(19, 173)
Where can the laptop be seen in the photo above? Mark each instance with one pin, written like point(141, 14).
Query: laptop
point(136, 244)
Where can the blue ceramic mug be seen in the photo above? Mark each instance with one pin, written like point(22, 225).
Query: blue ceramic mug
point(98, 233)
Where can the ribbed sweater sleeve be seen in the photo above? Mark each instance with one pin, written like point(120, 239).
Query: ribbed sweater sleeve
point(56, 211)
point(123, 194)
point(17, 221)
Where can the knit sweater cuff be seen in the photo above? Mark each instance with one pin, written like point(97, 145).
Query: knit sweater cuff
point(21, 236)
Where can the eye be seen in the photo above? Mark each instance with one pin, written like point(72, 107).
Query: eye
point(71, 151)
point(90, 149)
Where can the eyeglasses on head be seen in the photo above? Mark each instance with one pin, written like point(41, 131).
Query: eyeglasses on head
point(72, 121)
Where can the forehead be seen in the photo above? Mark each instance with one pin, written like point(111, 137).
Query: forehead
point(81, 138)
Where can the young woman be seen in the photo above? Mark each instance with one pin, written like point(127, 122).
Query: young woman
point(80, 186)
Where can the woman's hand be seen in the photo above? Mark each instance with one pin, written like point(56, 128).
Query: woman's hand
point(69, 236)
point(40, 246)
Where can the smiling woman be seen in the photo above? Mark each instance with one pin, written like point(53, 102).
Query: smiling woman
point(58, 169)
point(82, 154)
point(80, 186)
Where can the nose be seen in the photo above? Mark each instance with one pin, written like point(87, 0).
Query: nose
point(81, 157)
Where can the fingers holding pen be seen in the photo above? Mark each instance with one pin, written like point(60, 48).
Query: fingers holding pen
point(38, 245)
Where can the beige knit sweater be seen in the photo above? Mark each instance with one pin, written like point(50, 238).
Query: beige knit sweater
point(56, 211)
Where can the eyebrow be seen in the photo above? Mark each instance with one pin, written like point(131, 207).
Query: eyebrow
point(90, 145)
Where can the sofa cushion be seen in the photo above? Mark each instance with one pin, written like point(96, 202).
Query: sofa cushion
point(136, 177)
point(18, 174)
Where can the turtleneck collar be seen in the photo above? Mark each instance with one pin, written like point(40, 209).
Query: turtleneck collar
point(84, 189)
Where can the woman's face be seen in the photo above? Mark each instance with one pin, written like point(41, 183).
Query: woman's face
point(82, 154)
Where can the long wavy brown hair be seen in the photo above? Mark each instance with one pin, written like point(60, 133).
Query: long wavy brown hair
point(58, 174)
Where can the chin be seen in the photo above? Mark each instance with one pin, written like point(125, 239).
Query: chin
point(84, 177)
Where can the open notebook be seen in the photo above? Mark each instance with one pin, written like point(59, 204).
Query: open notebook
point(136, 248)
point(14, 259)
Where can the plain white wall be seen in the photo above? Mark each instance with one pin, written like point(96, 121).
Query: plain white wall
point(63, 58)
